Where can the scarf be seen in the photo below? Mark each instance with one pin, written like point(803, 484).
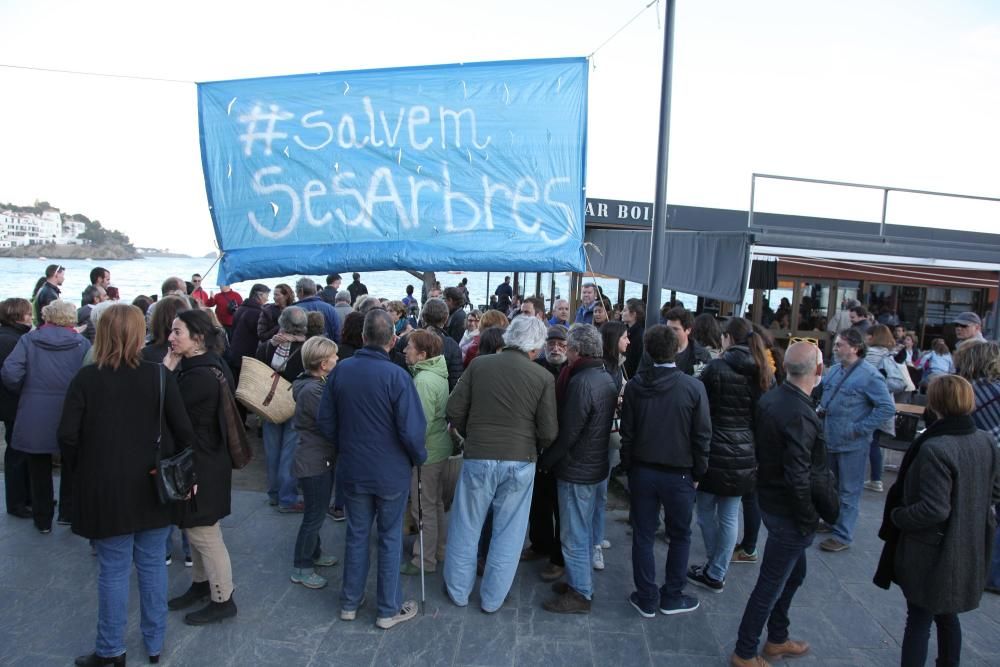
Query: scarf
point(562, 384)
point(283, 350)
point(885, 573)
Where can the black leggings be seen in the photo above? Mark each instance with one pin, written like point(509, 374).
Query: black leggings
point(918, 632)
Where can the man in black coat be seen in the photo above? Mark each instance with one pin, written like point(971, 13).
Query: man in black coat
point(791, 454)
point(455, 299)
point(586, 398)
point(691, 357)
point(665, 430)
point(243, 341)
point(356, 288)
point(49, 292)
point(15, 321)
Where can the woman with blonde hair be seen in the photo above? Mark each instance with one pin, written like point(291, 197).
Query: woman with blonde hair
point(108, 435)
point(314, 460)
point(39, 369)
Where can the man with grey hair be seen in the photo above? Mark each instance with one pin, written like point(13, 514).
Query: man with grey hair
point(305, 292)
point(371, 412)
point(504, 407)
point(586, 398)
point(792, 473)
point(343, 304)
point(588, 300)
point(92, 295)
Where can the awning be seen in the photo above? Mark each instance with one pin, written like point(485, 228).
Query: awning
point(714, 265)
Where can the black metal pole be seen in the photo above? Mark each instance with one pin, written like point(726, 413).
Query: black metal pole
point(657, 245)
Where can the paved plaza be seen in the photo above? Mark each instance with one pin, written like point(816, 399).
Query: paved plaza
point(48, 606)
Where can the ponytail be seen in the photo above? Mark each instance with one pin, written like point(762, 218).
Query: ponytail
point(741, 332)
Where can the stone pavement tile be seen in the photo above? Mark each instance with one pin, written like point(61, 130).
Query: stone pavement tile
point(553, 652)
point(30, 618)
point(687, 660)
point(217, 644)
point(348, 649)
point(535, 622)
point(853, 566)
point(617, 648)
point(724, 628)
point(259, 651)
point(980, 636)
point(488, 640)
point(301, 616)
point(615, 616)
point(687, 634)
point(857, 626)
point(888, 608)
point(38, 660)
point(423, 642)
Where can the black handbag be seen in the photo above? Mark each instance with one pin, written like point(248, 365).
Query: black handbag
point(174, 477)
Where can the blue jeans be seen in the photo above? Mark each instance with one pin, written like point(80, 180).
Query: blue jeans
point(506, 486)
point(782, 571)
point(316, 493)
point(849, 467)
point(280, 441)
point(875, 457)
point(649, 488)
point(115, 556)
point(576, 512)
point(362, 509)
point(185, 545)
point(597, 518)
point(993, 580)
point(917, 633)
point(718, 517)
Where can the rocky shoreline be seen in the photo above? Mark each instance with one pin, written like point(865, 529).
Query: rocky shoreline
point(56, 251)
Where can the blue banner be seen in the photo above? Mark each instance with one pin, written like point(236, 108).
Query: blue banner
point(474, 167)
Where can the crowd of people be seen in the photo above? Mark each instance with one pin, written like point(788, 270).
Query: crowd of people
point(497, 432)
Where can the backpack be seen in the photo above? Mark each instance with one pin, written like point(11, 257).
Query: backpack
point(894, 379)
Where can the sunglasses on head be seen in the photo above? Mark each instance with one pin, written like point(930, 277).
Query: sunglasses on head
point(798, 339)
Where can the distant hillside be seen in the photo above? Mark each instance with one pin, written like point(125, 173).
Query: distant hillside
point(55, 251)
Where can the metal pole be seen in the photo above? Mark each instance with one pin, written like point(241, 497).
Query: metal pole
point(488, 290)
point(657, 246)
point(885, 205)
point(995, 315)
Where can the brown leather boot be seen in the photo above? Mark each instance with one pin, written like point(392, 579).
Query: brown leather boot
point(756, 661)
point(788, 648)
point(569, 602)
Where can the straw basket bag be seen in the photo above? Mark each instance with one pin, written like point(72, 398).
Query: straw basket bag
point(264, 392)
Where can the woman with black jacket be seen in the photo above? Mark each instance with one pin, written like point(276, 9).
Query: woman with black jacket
point(202, 375)
point(108, 433)
point(733, 383)
point(15, 321)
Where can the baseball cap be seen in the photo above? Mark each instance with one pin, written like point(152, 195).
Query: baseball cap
point(556, 332)
point(968, 318)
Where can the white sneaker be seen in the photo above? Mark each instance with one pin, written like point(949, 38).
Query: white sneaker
point(605, 544)
point(351, 614)
point(874, 486)
point(598, 558)
point(408, 611)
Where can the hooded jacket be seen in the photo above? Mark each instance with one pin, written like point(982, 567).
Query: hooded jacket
point(40, 369)
point(315, 455)
point(431, 380)
point(665, 422)
point(731, 383)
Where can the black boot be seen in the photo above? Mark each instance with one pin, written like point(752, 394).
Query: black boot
point(94, 660)
point(198, 592)
point(213, 613)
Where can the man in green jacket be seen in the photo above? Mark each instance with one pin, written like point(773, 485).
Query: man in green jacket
point(505, 407)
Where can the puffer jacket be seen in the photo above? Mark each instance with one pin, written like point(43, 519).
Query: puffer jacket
point(430, 377)
point(732, 387)
point(315, 454)
point(580, 452)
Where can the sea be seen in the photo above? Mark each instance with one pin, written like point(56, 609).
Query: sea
point(144, 276)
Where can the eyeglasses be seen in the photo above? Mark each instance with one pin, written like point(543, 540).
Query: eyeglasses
point(798, 339)
point(961, 326)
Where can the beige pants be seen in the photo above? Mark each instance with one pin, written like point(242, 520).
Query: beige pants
point(435, 525)
point(211, 560)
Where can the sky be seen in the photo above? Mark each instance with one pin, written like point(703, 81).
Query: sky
point(903, 93)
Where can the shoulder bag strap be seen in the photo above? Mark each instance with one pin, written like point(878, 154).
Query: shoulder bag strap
point(841, 383)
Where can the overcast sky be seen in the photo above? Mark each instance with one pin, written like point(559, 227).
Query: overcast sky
point(895, 92)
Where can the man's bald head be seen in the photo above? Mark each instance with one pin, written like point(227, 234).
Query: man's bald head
point(801, 360)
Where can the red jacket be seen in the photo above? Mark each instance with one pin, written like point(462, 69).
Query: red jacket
point(223, 310)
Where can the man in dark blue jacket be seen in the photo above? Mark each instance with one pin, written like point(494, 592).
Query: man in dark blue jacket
point(666, 430)
point(372, 414)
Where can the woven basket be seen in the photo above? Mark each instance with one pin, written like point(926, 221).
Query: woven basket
point(264, 392)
